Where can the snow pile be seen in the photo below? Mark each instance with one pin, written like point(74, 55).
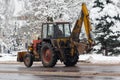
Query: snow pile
point(99, 59)
point(8, 57)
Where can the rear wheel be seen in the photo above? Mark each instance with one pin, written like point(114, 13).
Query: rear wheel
point(28, 60)
point(48, 56)
point(71, 60)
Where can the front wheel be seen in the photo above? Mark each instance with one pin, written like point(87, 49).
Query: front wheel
point(28, 60)
point(48, 56)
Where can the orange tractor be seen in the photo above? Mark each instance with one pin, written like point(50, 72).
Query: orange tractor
point(58, 42)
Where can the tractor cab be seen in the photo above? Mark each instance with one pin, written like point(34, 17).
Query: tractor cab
point(56, 30)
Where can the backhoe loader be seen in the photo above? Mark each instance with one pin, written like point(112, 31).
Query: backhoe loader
point(58, 42)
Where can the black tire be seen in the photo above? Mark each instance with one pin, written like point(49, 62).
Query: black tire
point(20, 59)
point(28, 60)
point(48, 56)
point(71, 61)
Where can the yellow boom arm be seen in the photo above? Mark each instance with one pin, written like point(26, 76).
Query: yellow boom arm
point(84, 17)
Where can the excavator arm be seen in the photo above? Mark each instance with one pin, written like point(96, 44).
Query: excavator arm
point(84, 17)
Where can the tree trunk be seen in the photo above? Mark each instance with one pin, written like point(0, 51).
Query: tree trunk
point(106, 52)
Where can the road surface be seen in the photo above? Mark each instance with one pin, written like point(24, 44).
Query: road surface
point(82, 71)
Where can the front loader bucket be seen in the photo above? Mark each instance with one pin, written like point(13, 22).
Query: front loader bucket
point(20, 56)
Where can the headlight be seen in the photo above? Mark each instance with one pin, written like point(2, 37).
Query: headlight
point(30, 49)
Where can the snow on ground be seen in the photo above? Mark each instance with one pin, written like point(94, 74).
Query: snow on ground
point(99, 59)
point(8, 57)
point(89, 58)
point(5, 57)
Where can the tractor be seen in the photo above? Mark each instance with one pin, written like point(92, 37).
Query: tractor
point(58, 42)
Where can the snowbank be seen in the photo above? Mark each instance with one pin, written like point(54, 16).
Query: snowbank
point(99, 59)
point(8, 57)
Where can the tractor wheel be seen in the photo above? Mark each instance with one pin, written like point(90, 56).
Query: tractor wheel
point(48, 56)
point(28, 60)
point(71, 61)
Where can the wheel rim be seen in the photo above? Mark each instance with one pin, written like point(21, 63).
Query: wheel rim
point(27, 60)
point(47, 55)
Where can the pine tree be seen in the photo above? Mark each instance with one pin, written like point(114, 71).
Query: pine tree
point(106, 37)
point(98, 4)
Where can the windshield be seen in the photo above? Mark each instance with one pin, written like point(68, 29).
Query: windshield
point(67, 30)
point(63, 30)
point(60, 30)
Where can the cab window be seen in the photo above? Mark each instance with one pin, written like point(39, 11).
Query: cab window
point(50, 30)
point(67, 30)
point(60, 30)
point(44, 30)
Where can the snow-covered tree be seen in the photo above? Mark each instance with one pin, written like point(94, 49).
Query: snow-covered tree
point(7, 8)
point(38, 11)
point(106, 19)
